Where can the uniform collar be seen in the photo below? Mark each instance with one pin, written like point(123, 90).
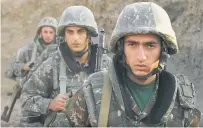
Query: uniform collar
point(165, 96)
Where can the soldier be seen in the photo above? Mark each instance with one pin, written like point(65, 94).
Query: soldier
point(27, 56)
point(136, 91)
point(62, 74)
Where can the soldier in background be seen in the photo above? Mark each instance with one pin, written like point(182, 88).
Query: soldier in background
point(28, 55)
point(33, 54)
point(136, 90)
point(62, 74)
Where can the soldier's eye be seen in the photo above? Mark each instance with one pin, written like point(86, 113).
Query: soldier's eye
point(150, 45)
point(69, 32)
point(131, 44)
point(81, 31)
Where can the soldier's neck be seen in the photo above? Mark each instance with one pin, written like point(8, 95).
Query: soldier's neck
point(143, 82)
point(83, 59)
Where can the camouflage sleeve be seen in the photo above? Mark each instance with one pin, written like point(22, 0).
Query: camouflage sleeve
point(36, 91)
point(39, 61)
point(76, 110)
point(20, 61)
point(44, 56)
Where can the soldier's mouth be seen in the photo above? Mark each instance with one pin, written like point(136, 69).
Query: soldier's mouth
point(141, 67)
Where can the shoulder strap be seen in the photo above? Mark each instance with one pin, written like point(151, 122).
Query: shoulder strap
point(105, 101)
point(62, 77)
point(62, 83)
point(34, 52)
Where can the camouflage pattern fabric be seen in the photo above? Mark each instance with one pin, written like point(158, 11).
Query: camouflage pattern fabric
point(171, 104)
point(15, 70)
point(42, 87)
point(44, 55)
point(78, 15)
point(47, 21)
point(24, 56)
point(142, 18)
point(79, 113)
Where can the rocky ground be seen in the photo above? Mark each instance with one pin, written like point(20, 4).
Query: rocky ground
point(19, 20)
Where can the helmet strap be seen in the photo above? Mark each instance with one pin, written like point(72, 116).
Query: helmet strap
point(161, 66)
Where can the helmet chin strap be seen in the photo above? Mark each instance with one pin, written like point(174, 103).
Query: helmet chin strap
point(162, 63)
point(80, 53)
point(163, 59)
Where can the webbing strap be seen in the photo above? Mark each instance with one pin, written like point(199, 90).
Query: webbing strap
point(105, 101)
point(62, 77)
point(34, 53)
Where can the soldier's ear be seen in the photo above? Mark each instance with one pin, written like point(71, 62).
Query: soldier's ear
point(40, 34)
point(120, 45)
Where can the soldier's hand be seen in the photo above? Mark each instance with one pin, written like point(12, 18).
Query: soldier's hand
point(26, 68)
point(58, 103)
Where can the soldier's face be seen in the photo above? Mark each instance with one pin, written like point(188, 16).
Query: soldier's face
point(76, 38)
point(142, 53)
point(48, 34)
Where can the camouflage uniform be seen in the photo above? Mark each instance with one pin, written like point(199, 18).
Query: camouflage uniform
point(45, 83)
point(51, 48)
point(24, 54)
point(173, 100)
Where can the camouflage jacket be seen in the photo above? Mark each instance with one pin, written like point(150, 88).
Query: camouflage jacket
point(43, 56)
point(43, 86)
point(24, 56)
point(174, 99)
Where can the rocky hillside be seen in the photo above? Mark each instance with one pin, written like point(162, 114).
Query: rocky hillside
point(19, 20)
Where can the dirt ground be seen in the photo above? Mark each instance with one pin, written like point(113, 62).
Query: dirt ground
point(19, 20)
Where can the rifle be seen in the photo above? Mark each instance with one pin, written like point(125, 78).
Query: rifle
point(17, 90)
point(100, 50)
point(7, 111)
point(87, 89)
point(88, 92)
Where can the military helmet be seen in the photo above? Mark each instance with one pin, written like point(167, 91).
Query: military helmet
point(47, 21)
point(78, 15)
point(143, 18)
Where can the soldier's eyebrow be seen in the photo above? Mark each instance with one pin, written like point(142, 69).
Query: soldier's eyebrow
point(81, 29)
point(68, 30)
point(151, 42)
point(132, 41)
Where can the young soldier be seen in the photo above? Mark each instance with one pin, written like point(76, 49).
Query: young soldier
point(136, 91)
point(62, 74)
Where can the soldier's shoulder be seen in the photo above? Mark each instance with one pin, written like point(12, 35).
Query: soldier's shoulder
point(52, 58)
point(186, 91)
point(96, 77)
point(183, 79)
point(55, 56)
point(28, 47)
point(186, 98)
